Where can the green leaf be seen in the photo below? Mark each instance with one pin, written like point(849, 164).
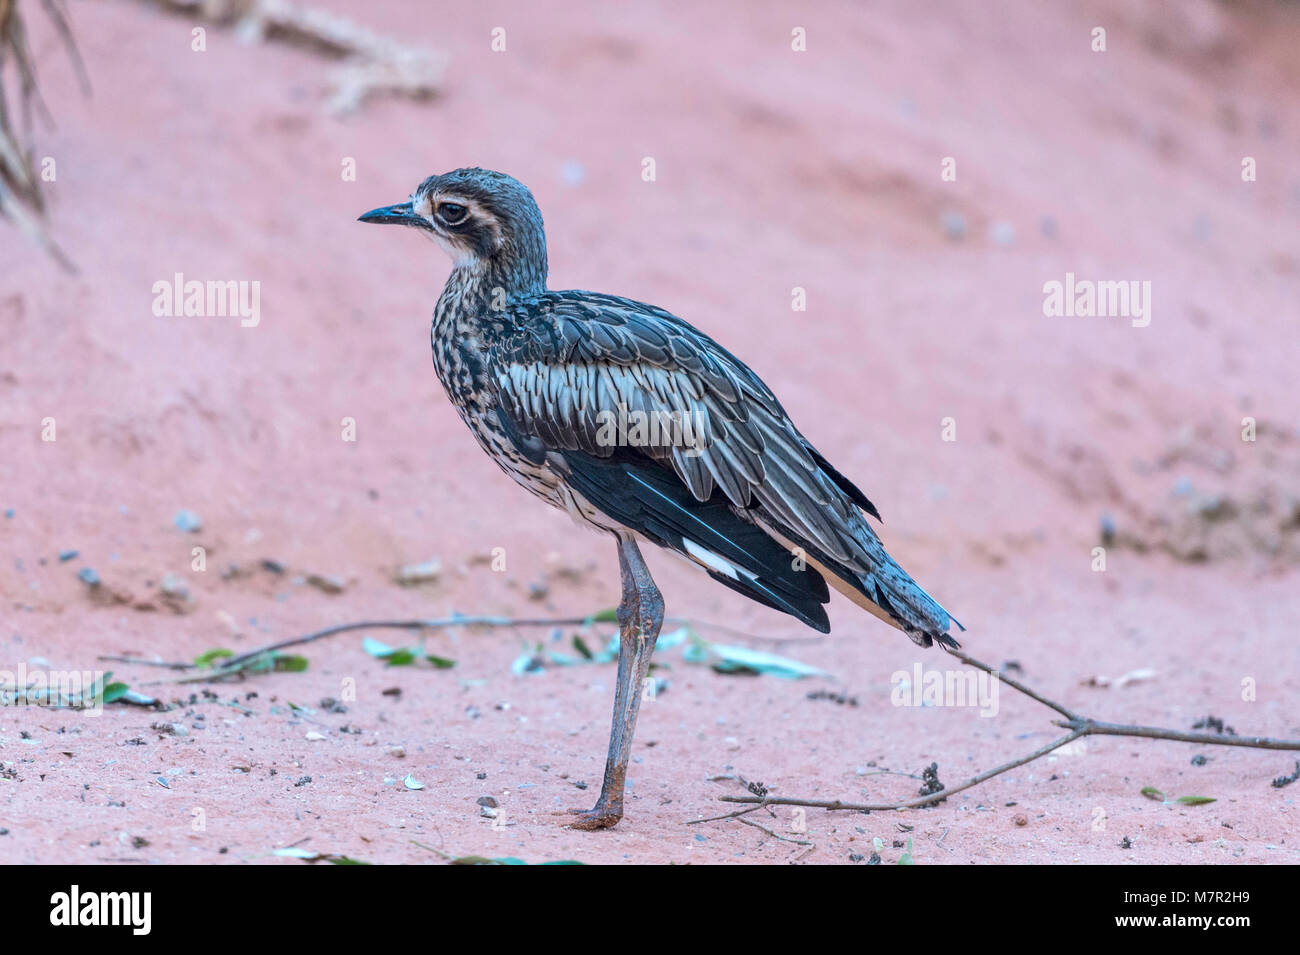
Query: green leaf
point(211, 656)
point(400, 658)
point(261, 663)
point(563, 659)
point(290, 663)
point(114, 692)
point(667, 641)
point(527, 662)
point(404, 656)
point(506, 860)
point(906, 857)
point(1152, 793)
point(345, 860)
point(580, 645)
point(742, 660)
point(1195, 800)
point(604, 616)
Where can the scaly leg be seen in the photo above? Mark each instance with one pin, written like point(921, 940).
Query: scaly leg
point(640, 615)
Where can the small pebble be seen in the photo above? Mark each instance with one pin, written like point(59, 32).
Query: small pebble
point(327, 583)
point(188, 521)
point(173, 586)
point(954, 225)
point(1107, 529)
point(88, 576)
point(67, 555)
point(427, 572)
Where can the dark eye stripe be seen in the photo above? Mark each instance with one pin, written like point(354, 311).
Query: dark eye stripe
point(452, 213)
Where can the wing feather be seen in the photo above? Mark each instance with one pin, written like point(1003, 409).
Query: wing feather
point(589, 366)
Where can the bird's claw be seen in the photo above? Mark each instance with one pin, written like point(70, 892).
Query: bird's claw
point(592, 819)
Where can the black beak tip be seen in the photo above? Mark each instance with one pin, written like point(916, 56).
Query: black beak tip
point(401, 214)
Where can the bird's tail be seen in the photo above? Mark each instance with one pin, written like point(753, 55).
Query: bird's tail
point(890, 594)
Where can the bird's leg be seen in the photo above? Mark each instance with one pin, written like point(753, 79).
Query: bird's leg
point(640, 615)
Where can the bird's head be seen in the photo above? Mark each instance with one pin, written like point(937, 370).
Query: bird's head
point(486, 221)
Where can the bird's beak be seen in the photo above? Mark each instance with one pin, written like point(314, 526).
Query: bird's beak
point(401, 214)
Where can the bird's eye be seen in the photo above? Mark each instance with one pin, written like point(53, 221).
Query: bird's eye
point(452, 213)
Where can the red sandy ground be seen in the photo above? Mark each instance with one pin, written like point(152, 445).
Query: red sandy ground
point(775, 170)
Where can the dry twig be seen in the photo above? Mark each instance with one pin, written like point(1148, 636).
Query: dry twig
point(1079, 726)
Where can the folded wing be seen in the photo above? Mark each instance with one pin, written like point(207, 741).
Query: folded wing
point(667, 432)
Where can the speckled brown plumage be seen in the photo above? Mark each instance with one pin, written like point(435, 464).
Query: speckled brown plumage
point(554, 386)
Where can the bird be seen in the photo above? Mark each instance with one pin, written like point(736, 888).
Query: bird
point(641, 426)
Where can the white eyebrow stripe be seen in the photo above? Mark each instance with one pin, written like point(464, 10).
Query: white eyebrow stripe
point(476, 211)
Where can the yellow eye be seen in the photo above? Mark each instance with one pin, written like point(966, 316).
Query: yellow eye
point(452, 213)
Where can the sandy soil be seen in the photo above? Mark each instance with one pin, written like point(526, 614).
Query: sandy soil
point(775, 169)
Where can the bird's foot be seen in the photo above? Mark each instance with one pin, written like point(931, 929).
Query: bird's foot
point(593, 819)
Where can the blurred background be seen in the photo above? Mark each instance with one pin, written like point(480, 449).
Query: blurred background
point(794, 147)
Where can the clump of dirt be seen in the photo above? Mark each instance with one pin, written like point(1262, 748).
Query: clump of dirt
point(1224, 502)
point(930, 781)
point(1211, 494)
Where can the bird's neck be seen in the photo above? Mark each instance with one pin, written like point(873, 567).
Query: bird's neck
point(472, 312)
point(483, 288)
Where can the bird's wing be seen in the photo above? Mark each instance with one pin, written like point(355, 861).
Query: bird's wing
point(582, 371)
